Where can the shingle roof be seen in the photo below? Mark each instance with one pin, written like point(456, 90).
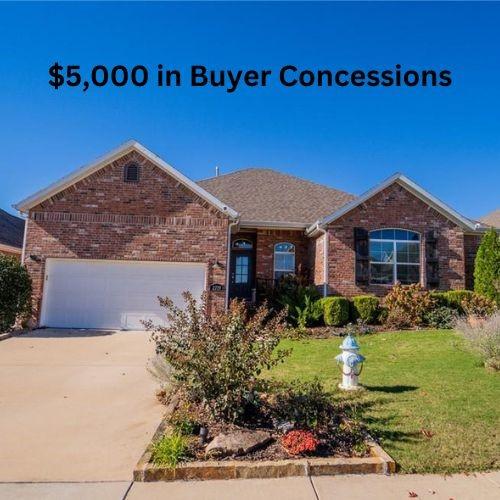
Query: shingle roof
point(265, 195)
point(492, 219)
point(11, 229)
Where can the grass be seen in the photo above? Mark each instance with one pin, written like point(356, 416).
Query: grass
point(432, 404)
point(170, 450)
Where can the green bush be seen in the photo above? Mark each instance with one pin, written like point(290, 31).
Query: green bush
point(454, 298)
point(487, 267)
point(310, 313)
point(15, 292)
point(335, 311)
point(440, 317)
point(366, 308)
point(170, 450)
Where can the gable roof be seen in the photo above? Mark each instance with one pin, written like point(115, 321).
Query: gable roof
point(11, 230)
point(101, 162)
point(492, 219)
point(266, 197)
point(411, 186)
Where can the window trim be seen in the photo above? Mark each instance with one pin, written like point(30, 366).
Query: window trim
point(394, 242)
point(233, 247)
point(125, 172)
point(275, 269)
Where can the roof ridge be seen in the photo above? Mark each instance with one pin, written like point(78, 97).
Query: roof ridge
point(284, 174)
point(234, 172)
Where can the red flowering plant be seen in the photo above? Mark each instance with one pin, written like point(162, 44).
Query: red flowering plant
point(298, 442)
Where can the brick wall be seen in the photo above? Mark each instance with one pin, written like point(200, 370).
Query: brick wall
point(394, 207)
point(471, 244)
point(266, 239)
point(102, 217)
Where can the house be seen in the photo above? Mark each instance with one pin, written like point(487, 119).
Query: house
point(103, 242)
point(11, 234)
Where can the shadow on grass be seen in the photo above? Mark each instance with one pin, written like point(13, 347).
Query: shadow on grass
point(391, 389)
point(382, 428)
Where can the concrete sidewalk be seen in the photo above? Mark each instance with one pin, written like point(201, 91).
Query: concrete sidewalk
point(370, 487)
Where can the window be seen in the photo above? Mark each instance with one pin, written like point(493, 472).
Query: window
point(284, 259)
point(242, 244)
point(131, 173)
point(394, 256)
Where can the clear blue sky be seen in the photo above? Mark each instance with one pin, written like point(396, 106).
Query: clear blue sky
point(446, 139)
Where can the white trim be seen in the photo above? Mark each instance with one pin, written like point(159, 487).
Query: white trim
point(411, 186)
point(10, 249)
point(127, 147)
point(284, 253)
point(395, 262)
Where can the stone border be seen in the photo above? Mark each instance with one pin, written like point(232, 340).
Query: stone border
point(379, 462)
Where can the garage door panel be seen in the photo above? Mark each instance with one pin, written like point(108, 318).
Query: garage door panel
point(114, 294)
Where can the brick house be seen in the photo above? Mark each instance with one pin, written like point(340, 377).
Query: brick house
point(103, 242)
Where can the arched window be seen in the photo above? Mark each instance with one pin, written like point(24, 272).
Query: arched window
point(394, 256)
point(242, 244)
point(284, 259)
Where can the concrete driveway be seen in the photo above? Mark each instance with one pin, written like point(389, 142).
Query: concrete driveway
point(75, 405)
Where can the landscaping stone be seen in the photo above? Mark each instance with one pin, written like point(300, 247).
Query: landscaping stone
point(238, 442)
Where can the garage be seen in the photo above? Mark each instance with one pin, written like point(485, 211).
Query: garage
point(114, 294)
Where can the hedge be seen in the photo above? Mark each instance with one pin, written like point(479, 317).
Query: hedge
point(15, 292)
point(452, 298)
point(335, 311)
point(366, 308)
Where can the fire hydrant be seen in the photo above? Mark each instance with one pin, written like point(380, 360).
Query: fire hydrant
point(351, 363)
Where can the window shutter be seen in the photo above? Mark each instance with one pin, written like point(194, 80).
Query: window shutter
point(431, 259)
point(362, 256)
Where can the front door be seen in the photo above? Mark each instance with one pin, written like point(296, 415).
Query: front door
point(242, 271)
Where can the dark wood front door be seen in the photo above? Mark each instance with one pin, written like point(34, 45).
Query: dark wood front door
point(242, 272)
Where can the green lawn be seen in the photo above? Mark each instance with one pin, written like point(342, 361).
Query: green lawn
point(416, 380)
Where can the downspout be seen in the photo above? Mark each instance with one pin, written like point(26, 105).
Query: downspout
point(23, 251)
point(228, 259)
point(325, 259)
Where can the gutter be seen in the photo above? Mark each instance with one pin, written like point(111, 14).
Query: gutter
point(228, 259)
point(325, 258)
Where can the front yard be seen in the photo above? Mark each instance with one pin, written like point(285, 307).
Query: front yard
point(432, 404)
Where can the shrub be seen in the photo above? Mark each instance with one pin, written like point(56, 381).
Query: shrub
point(407, 305)
point(170, 450)
point(366, 308)
point(305, 404)
point(487, 267)
point(15, 292)
point(440, 317)
point(483, 337)
point(452, 298)
point(298, 442)
point(479, 306)
point(310, 313)
point(335, 311)
point(299, 299)
point(218, 358)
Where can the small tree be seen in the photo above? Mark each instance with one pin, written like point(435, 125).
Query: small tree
point(487, 267)
point(218, 358)
point(15, 292)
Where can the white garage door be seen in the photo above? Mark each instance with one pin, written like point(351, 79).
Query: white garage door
point(114, 294)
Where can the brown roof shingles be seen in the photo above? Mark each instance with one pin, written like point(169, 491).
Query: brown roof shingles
point(11, 230)
point(492, 219)
point(265, 195)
